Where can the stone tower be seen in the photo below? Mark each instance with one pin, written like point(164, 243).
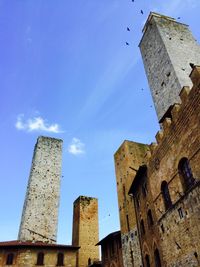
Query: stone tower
point(128, 159)
point(40, 212)
point(85, 229)
point(167, 49)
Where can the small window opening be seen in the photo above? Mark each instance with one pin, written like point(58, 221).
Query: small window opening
point(162, 228)
point(40, 258)
point(147, 261)
point(180, 212)
point(150, 218)
point(195, 254)
point(9, 260)
point(168, 74)
point(60, 259)
point(157, 258)
point(142, 227)
point(186, 173)
point(163, 83)
point(127, 221)
point(124, 192)
point(89, 261)
point(166, 195)
point(132, 236)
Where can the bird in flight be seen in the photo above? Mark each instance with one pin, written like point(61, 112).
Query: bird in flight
point(132, 0)
point(179, 18)
point(127, 43)
point(128, 29)
point(141, 11)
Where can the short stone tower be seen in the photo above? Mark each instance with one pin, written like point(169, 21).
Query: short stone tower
point(40, 212)
point(167, 48)
point(85, 229)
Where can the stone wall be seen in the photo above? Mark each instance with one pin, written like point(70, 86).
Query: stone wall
point(85, 229)
point(180, 138)
point(27, 257)
point(167, 49)
point(128, 158)
point(40, 212)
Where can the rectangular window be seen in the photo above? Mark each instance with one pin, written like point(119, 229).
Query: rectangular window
point(127, 221)
point(180, 212)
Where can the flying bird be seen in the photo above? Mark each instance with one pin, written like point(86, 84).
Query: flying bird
point(127, 43)
point(128, 29)
point(141, 11)
point(132, 0)
point(179, 18)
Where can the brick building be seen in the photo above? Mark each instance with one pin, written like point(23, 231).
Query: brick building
point(164, 177)
point(29, 254)
point(111, 250)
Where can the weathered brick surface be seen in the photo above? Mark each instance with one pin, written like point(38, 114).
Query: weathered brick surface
point(85, 229)
point(40, 212)
point(128, 158)
point(167, 48)
point(28, 257)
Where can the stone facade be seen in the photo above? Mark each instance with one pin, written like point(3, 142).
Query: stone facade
point(27, 254)
point(111, 250)
point(40, 212)
point(128, 158)
point(165, 180)
point(85, 229)
point(167, 48)
point(170, 232)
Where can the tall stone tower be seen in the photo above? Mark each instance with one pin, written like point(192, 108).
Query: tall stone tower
point(128, 159)
point(85, 229)
point(167, 48)
point(40, 212)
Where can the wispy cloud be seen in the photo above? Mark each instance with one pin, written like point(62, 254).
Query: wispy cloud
point(36, 124)
point(115, 72)
point(76, 147)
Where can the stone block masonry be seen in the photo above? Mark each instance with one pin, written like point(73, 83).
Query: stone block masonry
point(85, 229)
point(168, 47)
point(40, 212)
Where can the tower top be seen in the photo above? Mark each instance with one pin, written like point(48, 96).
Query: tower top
point(168, 48)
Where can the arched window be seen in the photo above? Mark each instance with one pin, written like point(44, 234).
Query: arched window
point(147, 261)
point(40, 258)
point(149, 218)
point(166, 195)
point(157, 258)
point(60, 259)
point(142, 227)
point(9, 260)
point(185, 173)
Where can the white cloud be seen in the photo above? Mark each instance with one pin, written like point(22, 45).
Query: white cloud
point(76, 147)
point(36, 124)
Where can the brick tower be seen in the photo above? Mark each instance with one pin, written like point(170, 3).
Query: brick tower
point(167, 49)
point(85, 229)
point(40, 212)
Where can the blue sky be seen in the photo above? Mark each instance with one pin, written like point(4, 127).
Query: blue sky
point(66, 72)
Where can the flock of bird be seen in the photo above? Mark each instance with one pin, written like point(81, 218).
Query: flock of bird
point(128, 29)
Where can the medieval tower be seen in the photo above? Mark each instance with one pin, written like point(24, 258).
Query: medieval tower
point(168, 48)
point(169, 51)
point(85, 229)
point(40, 212)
